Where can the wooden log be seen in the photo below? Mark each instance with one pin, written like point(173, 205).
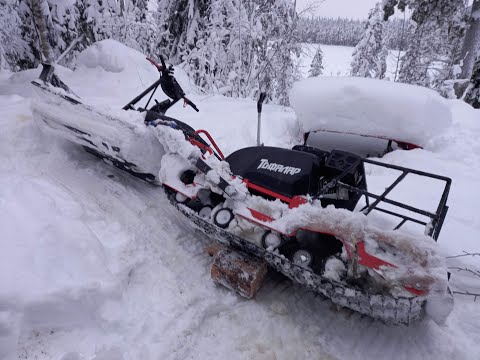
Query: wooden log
point(239, 272)
point(214, 248)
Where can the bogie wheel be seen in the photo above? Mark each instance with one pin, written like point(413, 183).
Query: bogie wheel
point(181, 198)
point(205, 212)
point(223, 217)
point(303, 258)
point(271, 240)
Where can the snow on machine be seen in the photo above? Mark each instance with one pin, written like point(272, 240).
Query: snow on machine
point(306, 212)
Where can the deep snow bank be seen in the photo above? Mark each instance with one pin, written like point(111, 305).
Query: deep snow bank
point(114, 65)
point(114, 57)
point(371, 107)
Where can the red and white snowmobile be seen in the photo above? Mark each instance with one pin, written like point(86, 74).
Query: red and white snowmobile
point(307, 212)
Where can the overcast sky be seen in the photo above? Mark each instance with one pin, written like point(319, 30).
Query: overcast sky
point(356, 9)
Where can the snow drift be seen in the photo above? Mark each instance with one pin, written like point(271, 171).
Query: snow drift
point(371, 107)
point(113, 64)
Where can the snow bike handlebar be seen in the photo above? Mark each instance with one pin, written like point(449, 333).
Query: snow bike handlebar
point(170, 85)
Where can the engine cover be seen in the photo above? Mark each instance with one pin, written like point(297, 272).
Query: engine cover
point(283, 171)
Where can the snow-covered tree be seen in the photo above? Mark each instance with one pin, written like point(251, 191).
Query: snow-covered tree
point(15, 53)
point(238, 47)
point(437, 27)
point(419, 56)
point(448, 65)
point(316, 67)
point(231, 46)
point(277, 68)
point(471, 41)
point(472, 95)
point(370, 55)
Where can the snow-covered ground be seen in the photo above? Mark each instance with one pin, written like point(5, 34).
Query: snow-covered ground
point(95, 264)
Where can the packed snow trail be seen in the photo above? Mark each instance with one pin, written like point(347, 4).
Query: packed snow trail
point(96, 264)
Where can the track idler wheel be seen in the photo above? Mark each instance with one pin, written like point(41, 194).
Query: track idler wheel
point(223, 217)
point(303, 258)
point(239, 272)
point(271, 240)
point(205, 212)
point(181, 198)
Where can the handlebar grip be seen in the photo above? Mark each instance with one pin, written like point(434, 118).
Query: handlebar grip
point(164, 67)
point(260, 101)
point(162, 61)
point(188, 102)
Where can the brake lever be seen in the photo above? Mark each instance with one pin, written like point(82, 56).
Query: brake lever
point(159, 67)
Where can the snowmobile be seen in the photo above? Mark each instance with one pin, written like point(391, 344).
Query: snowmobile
point(305, 211)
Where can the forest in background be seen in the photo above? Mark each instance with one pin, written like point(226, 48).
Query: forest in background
point(240, 48)
point(349, 32)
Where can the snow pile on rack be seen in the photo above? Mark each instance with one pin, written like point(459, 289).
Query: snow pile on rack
point(371, 107)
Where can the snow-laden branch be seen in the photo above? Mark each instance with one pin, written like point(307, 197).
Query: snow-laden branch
point(70, 47)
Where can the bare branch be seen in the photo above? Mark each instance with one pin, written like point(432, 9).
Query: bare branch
point(475, 295)
point(464, 254)
point(311, 8)
point(474, 272)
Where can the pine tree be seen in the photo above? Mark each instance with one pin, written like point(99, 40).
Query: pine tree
point(437, 30)
point(419, 56)
point(274, 67)
point(239, 47)
point(449, 63)
point(15, 52)
point(316, 68)
point(369, 56)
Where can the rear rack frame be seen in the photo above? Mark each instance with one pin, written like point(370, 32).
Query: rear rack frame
point(437, 218)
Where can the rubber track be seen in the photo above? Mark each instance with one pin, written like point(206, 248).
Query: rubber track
point(401, 310)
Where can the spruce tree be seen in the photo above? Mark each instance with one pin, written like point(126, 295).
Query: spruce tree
point(419, 56)
point(370, 55)
point(437, 31)
point(316, 67)
point(15, 53)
